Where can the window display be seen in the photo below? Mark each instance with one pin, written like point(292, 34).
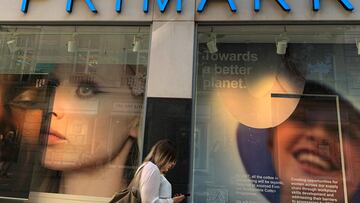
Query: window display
point(280, 120)
point(83, 111)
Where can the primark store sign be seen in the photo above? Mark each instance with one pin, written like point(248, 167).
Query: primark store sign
point(162, 4)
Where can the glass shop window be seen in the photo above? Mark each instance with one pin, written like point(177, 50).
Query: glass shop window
point(277, 114)
point(71, 106)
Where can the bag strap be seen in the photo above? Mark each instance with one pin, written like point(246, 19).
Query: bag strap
point(135, 182)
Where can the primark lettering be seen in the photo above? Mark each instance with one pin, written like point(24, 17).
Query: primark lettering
point(162, 4)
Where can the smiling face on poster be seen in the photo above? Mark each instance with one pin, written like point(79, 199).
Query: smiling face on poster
point(306, 150)
point(296, 133)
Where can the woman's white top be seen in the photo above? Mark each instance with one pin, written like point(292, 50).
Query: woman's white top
point(154, 187)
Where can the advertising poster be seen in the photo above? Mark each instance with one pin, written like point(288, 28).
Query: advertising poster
point(277, 128)
point(91, 139)
point(75, 131)
point(23, 97)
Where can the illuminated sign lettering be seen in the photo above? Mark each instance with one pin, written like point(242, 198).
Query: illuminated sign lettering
point(118, 6)
point(25, 5)
point(282, 3)
point(202, 5)
point(162, 4)
point(345, 3)
point(69, 5)
point(91, 6)
point(285, 6)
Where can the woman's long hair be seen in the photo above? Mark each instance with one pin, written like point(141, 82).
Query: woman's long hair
point(162, 153)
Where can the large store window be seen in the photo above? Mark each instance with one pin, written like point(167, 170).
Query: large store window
point(277, 114)
point(70, 108)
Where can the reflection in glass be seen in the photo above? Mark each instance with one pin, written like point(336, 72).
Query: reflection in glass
point(86, 112)
point(269, 124)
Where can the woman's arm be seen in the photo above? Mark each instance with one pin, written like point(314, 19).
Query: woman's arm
point(150, 185)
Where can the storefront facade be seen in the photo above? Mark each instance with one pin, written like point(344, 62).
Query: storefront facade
point(261, 98)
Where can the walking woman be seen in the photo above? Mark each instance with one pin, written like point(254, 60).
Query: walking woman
point(154, 187)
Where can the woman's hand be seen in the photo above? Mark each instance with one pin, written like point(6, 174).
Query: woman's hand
point(178, 198)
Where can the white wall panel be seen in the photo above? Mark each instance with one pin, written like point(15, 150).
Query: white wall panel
point(170, 14)
point(171, 60)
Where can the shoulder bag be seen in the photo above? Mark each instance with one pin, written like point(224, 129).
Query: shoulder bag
point(131, 194)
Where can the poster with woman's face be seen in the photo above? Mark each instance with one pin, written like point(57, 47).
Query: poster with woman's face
point(277, 128)
point(93, 130)
point(89, 128)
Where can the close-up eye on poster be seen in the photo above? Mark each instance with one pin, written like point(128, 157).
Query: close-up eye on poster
point(279, 113)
